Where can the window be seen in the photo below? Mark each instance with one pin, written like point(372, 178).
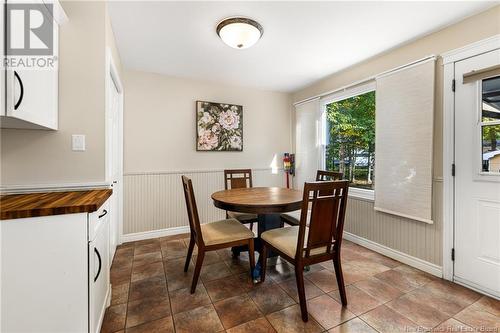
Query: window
point(350, 138)
point(490, 125)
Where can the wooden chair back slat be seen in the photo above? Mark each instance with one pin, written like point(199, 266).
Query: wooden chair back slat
point(237, 178)
point(192, 210)
point(327, 200)
point(322, 175)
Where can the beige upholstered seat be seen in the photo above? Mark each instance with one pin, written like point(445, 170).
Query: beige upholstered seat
point(224, 231)
point(285, 240)
point(293, 218)
point(242, 217)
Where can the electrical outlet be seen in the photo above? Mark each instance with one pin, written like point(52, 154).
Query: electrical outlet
point(78, 142)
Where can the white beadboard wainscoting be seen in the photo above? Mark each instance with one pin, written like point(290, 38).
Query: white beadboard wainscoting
point(416, 240)
point(154, 207)
point(154, 201)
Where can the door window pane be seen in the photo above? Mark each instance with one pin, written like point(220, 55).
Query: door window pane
point(491, 99)
point(490, 140)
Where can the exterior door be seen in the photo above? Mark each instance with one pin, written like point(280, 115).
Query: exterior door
point(477, 176)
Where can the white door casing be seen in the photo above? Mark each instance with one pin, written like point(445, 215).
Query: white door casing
point(114, 151)
point(477, 194)
point(2, 58)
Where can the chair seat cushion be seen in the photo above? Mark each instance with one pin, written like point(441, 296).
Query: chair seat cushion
point(224, 231)
point(285, 240)
point(293, 218)
point(242, 217)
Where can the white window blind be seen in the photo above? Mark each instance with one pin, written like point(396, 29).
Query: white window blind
point(307, 142)
point(404, 141)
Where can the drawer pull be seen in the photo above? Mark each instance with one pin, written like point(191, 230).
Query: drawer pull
point(104, 212)
point(21, 95)
point(100, 264)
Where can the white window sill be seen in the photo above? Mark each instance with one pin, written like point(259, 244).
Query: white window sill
point(361, 194)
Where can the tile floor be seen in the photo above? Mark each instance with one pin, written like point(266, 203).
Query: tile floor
point(150, 294)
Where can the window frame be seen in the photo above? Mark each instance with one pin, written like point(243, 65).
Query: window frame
point(479, 128)
point(354, 192)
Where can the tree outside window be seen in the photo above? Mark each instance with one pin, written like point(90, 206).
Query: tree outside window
point(351, 139)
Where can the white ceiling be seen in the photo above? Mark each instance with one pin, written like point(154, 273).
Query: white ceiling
point(302, 42)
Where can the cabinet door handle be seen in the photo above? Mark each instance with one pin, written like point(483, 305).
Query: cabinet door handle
point(100, 264)
point(104, 212)
point(22, 90)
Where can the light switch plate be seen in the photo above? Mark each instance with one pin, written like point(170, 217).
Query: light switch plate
point(78, 142)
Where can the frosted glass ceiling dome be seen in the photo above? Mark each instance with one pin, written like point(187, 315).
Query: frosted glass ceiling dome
point(239, 32)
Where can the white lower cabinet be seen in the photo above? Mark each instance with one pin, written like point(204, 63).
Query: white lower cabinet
point(54, 274)
point(98, 275)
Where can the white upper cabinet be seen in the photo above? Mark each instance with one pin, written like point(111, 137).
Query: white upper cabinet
point(31, 32)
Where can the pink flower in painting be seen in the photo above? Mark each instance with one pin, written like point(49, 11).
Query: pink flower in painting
point(229, 120)
point(207, 140)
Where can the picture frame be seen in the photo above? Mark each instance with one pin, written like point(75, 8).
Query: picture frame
point(219, 126)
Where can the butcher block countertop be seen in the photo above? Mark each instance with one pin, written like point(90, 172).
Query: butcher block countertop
point(15, 206)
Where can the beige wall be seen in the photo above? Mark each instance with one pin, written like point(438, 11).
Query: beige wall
point(45, 157)
point(159, 147)
point(410, 237)
point(160, 124)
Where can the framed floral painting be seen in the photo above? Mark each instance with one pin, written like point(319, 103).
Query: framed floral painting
point(219, 127)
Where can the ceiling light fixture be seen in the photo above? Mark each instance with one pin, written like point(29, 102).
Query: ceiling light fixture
point(239, 32)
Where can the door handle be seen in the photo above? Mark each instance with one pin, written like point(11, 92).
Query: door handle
point(100, 264)
point(21, 95)
point(104, 212)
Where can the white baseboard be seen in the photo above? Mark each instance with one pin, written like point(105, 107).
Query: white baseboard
point(391, 253)
point(154, 234)
point(396, 255)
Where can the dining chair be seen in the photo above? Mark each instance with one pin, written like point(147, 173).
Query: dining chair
point(292, 218)
point(239, 178)
point(304, 245)
point(212, 236)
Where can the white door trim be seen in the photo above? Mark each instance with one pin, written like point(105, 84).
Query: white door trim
point(449, 59)
point(111, 74)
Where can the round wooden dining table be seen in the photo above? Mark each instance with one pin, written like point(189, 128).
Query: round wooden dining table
point(258, 200)
point(266, 202)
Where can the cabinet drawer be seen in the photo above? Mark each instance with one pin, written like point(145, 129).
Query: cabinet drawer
point(97, 219)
